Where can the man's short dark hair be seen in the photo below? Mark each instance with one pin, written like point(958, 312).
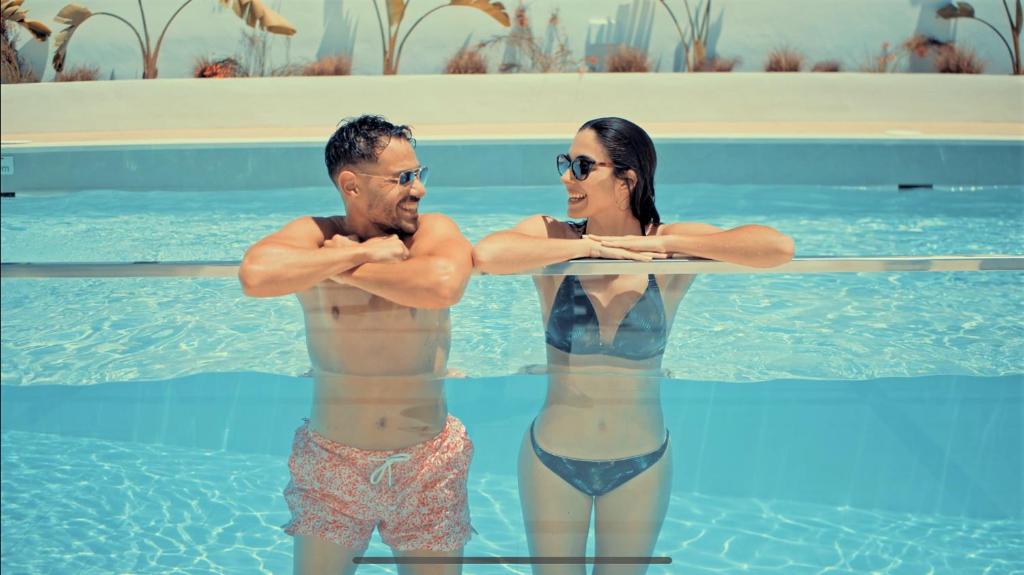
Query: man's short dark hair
point(360, 140)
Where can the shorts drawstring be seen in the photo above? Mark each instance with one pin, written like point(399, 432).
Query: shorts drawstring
point(386, 466)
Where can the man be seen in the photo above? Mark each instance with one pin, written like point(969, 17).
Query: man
point(379, 449)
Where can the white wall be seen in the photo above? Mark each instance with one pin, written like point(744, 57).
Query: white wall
point(845, 30)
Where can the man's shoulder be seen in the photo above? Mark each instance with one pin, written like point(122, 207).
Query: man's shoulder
point(331, 225)
point(435, 222)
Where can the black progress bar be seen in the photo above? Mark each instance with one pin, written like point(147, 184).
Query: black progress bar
point(513, 560)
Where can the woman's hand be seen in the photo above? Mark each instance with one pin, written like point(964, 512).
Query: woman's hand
point(639, 244)
point(600, 249)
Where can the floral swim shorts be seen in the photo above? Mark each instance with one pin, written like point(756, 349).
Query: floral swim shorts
point(416, 496)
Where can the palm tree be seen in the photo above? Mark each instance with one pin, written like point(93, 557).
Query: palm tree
point(396, 11)
point(965, 10)
point(10, 64)
point(254, 12)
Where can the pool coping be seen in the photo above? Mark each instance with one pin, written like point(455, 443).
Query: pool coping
point(882, 131)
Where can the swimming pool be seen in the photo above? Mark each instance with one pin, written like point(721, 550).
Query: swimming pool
point(842, 423)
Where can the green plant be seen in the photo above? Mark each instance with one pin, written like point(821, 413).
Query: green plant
point(965, 10)
point(253, 12)
point(396, 12)
point(695, 41)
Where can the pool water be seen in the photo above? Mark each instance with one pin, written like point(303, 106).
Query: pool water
point(730, 328)
point(840, 423)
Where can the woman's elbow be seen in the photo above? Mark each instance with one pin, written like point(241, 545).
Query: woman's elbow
point(484, 259)
point(786, 248)
point(492, 255)
point(782, 252)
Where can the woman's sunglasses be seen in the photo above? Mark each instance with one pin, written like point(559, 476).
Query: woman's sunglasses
point(581, 166)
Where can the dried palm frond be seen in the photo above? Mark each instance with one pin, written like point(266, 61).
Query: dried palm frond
point(256, 14)
point(13, 12)
point(71, 16)
point(495, 10)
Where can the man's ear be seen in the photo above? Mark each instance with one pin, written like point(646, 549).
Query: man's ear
point(348, 184)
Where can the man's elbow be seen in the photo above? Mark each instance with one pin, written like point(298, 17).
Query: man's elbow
point(449, 283)
point(252, 278)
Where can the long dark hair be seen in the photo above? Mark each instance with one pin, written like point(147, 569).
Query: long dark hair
point(630, 148)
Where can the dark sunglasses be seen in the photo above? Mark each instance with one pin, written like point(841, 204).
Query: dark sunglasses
point(581, 166)
point(405, 178)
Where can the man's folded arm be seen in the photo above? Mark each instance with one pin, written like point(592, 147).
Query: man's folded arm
point(293, 259)
point(434, 276)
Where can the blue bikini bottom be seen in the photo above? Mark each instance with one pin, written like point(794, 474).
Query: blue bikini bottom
point(596, 477)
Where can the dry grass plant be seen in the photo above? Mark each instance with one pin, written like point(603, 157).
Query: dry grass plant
point(784, 59)
point(468, 60)
point(80, 73)
point(827, 66)
point(223, 68)
point(627, 59)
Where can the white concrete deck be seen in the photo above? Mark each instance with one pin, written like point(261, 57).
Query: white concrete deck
point(736, 105)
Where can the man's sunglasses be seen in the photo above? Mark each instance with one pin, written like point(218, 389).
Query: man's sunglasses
point(405, 178)
point(581, 166)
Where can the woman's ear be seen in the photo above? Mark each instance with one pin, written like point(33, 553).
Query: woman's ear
point(628, 181)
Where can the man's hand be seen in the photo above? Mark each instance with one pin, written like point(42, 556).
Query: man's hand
point(377, 250)
point(386, 249)
point(341, 242)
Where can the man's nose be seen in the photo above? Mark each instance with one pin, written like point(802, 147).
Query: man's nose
point(418, 190)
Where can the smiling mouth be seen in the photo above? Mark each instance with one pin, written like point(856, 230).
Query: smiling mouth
point(576, 198)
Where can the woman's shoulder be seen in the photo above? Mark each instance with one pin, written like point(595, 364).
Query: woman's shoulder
point(545, 226)
point(684, 229)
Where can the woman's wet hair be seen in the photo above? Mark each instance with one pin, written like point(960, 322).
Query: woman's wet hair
point(361, 139)
point(630, 148)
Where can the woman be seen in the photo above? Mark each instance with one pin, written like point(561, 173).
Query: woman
point(599, 443)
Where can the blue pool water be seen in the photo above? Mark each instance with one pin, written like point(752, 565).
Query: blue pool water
point(840, 423)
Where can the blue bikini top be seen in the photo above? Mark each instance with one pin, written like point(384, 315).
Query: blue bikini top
point(573, 325)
